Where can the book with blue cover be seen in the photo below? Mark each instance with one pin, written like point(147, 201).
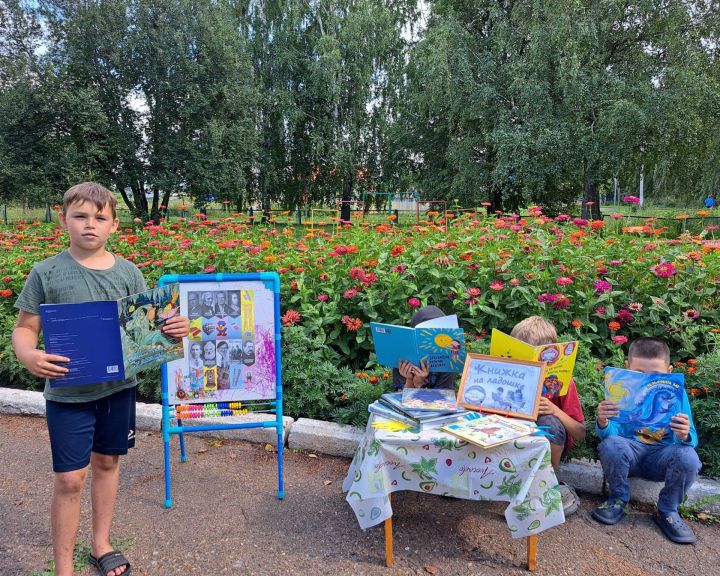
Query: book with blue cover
point(439, 342)
point(647, 401)
point(109, 340)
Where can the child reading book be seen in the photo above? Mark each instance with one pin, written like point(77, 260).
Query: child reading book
point(670, 458)
point(92, 424)
point(563, 415)
point(411, 376)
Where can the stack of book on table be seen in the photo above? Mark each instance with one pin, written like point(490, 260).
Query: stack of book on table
point(419, 407)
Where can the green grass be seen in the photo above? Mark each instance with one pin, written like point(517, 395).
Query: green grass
point(81, 554)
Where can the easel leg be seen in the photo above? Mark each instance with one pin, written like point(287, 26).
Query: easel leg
point(532, 552)
point(168, 498)
point(388, 541)
point(183, 455)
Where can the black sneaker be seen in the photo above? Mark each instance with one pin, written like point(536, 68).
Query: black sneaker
point(674, 528)
point(610, 513)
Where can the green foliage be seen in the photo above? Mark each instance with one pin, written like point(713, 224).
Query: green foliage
point(358, 394)
point(312, 377)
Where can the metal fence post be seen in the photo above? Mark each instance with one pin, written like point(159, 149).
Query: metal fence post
point(48, 213)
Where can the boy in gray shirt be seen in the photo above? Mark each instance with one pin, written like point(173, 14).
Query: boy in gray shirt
point(91, 424)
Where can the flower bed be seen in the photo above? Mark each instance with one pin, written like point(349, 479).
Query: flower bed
point(596, 282)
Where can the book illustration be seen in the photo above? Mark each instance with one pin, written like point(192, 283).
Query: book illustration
point(433, 399)
point(501, 385)
point(230, 351)
point(489, 431)
point(111, 339)
point(647, 402)
point(559, 359)
point(441, 347)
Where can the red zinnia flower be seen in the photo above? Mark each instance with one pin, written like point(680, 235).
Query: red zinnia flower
point(290, 318)
point(414, 303)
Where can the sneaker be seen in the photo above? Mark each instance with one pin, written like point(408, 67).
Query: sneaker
point(674, 528)
point(610, 513)
point(569, 498)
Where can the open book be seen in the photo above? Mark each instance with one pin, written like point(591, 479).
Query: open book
point(647, 402)
point(439, 342)
point(559, 359)
point(489, 431)
point(110, 340)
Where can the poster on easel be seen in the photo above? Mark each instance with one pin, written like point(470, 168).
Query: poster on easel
point(229, 355)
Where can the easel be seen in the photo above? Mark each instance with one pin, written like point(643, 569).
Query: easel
point(271, 282)
point(532, 542)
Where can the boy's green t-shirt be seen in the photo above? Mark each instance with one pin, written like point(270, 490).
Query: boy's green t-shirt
point(60, 280)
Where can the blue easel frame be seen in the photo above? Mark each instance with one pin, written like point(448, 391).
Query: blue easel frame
point(268, 278)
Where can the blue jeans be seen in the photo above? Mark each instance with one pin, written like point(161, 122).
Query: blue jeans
point(676, 464)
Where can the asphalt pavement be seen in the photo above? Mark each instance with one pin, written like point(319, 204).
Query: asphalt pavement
point(227, 519)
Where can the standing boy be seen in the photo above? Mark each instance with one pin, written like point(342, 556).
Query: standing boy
point(563, 415)
point(672, 459)
point(90, 425)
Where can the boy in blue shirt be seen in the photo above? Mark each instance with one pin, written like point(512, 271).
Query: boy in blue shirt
point(672, 459)
point(91, 425)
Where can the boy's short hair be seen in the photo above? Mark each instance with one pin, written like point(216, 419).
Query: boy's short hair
point(535, 331)
point(93, 193)
point(649, 347)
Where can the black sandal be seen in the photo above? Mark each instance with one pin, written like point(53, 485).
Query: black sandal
point(110, 561)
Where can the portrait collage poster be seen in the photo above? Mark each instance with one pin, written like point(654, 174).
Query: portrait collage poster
point(229, 355)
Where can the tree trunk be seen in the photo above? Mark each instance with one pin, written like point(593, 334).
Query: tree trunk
point(346, 197)
point(591, 197)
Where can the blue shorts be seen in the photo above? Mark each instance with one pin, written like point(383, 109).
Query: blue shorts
point(105, 426)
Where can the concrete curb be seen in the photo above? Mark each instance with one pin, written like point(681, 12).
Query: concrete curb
point(342, 440)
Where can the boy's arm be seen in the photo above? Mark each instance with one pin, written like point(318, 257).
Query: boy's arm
point(24, 342)
point(604, 427)
point(574, 428)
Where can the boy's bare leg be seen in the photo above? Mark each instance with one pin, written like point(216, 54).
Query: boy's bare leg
point(65, 517)
point(103, 491)
point(556, 451)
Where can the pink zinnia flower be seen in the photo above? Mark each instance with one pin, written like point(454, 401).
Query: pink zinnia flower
point(323, 297)
point(625, 316)
point(602, 286)
point(617, 216)
point(414, 303)
point(632, 200)
point(561, 302)
point(400, 268)
point(691, 314)
point(663, 270)
point(563, 281)
point(619, 339)
point(635, 306)
point(497, 285)
point(546, 297)
point(600, 311)
point(357, 273)
point(514, 282)
point(580, 222)
point(350, 293)
point(562, 217)
point(472, 292)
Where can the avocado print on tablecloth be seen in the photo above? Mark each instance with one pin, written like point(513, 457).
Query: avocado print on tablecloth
point(447, 444)
point(506, 465)
point(523, 510)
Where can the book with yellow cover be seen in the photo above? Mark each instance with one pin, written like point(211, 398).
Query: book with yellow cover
point(559, 359)
point(489, 431)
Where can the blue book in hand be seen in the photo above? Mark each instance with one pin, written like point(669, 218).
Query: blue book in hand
point(646, 401)
point(111, 340)
point(438, 342)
